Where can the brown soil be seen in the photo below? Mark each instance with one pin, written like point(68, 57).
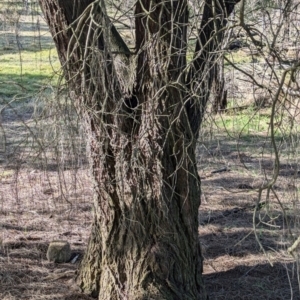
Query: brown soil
point(35, 210)
point(33, 213)
point(236, 266)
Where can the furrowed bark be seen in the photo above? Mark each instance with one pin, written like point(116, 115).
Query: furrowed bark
point(144, 239)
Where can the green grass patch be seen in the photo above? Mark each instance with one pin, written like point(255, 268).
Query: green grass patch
point(250, 131)
point(6, 174)
point(26, 72)
point(243, 124)
point(237, 57)
point(249, 124)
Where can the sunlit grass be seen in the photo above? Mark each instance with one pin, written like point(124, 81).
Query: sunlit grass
point(26, 71)
point(243, 124)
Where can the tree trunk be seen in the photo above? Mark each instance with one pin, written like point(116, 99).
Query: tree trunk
point(220, 94)
point(142, 139)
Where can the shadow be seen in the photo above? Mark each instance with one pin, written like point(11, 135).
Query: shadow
point(242, 217)
point(74, 296)
point(242, 243)
point(25, 249)
point(25, 85)
point(247, 166)
point(261, 281)
point(10, 43)
point(290, 170)
point(20, 228)
point(226, 145)
point(232, 181)
point(230, 232)
point(238, 183)
point(21, 114)
point(246, 171)
point(19, 157)
point(35, 26)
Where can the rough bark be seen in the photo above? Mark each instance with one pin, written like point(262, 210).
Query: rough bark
point(220, 94)
point(144, 240)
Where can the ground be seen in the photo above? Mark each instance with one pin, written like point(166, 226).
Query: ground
point(34, 211)
point(235, 266)
point(45, 189)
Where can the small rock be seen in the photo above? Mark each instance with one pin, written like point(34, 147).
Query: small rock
point(59, 252)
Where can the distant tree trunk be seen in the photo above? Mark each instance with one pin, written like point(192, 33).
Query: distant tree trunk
point(218, 76)
point(220, 94)
point(144, 239)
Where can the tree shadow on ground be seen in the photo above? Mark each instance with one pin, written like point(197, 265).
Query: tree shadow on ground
point(261, 281)
point(20, 228)
point(22, 85)
point(242, 243)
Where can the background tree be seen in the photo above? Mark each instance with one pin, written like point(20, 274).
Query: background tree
point(142, 128)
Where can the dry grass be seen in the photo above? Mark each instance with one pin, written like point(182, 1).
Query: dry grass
point(33, 213)
point(235, 266)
